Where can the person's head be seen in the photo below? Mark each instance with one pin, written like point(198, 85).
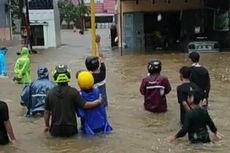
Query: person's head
point(184, 72)
point(154, 66)
point(195, 97)
point(3, 51)
point(194, 57)
point(43, 72)
point(92, 63)
point(62, 74)
point(24, 51)
point(85, 80)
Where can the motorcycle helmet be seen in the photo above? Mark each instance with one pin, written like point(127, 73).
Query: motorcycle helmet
point(154, 66)
point(92, 63)
point(61, 74)
point(85, 80)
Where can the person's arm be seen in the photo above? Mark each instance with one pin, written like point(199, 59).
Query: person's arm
point(16, 69)
point(100, 52)
point(9, 130)
point(7, 123)
point(183, 131)
point(143, 87)
point(185, 127)
point(186, 106)
point(182, 99)
point(99, 49)
point(25, 66)
point(208, 86)
point(213, 128)
point(210, 123)
point(167, 85)
point(46, 120)
point(47, 113)
point(89, 105)
point(79, 102)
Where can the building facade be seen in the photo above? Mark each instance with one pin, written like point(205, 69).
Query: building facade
point(171, 24)
point(5, 23)
point(45, 23)
point(104, 12)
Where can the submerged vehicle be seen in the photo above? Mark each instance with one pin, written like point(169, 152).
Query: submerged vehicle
point(202, 44)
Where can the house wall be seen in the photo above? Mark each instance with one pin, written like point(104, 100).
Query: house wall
point(5, 31)
point(47, 19)
point(160, 5)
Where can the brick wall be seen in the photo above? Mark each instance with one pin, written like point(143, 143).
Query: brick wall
point(108, 6)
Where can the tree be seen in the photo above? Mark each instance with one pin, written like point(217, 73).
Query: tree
point(15, 12)
point(71, 13)
point(66, 11)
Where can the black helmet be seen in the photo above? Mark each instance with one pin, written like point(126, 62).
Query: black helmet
point(92, 63)
point(154, 66)
point(61, 74)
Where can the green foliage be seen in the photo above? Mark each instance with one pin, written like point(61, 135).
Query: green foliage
point(71, 13)
point(15, 12)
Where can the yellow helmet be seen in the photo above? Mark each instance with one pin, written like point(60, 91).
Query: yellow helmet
point(85, 80)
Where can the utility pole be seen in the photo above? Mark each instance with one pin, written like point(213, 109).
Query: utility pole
point(28, 28)
point(25, 25)
point(93, 28)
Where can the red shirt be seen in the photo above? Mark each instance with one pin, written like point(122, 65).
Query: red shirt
point(154, 88)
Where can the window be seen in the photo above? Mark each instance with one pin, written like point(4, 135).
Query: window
point(99, 1)
point(41, 4)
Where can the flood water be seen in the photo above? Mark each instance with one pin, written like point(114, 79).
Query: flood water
point(135, 130)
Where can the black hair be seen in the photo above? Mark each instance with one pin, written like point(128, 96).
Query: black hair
point(185, 72)
point(78, 72)
point(194, 56)
point(197, 96)
point(88, 90)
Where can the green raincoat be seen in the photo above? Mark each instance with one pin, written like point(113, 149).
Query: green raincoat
point(22, 67)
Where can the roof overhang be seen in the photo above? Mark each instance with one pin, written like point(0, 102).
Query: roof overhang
point(137, 1)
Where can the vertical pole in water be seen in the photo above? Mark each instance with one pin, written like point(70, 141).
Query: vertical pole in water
point(121, 30)
point(28, 28)
point(93, 30)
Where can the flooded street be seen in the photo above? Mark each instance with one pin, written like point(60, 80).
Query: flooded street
point(135, 130)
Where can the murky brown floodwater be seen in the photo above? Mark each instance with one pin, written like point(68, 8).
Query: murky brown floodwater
point(135, 130)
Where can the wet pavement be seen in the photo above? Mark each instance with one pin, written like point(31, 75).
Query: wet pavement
point(135, 130)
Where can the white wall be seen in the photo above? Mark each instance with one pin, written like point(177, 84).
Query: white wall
point(51, 27)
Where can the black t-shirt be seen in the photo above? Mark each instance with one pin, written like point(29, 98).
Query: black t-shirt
point(4, 116)
point(98, 77)
point(62, 101)
point(200, 76)
point(196, 122)
point(182, 95)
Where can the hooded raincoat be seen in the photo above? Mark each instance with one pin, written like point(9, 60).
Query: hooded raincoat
point(2, 62)
point(93, 120)
point(22, 67)
point(33, 95)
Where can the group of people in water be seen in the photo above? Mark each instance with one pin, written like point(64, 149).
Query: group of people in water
point(192, 97)
point(59, 103)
